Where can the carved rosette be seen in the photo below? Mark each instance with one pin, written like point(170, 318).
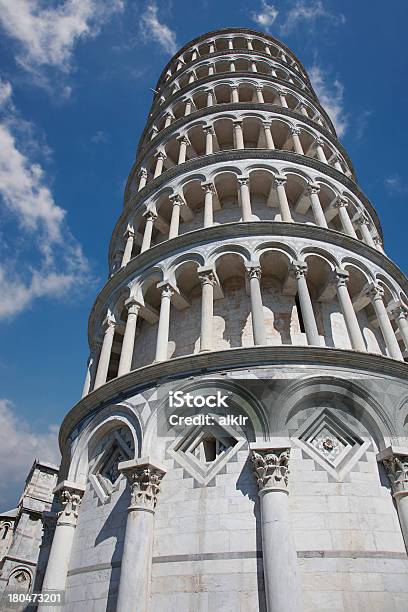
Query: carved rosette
point(271, 468)
point(397, 471)
point(70, 500)
point(144, 483)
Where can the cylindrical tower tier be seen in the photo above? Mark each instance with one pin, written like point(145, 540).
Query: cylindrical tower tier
point(248, 265)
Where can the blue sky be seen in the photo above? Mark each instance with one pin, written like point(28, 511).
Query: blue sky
point(75, 79)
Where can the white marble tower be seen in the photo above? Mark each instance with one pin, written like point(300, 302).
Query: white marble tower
point(246, 259)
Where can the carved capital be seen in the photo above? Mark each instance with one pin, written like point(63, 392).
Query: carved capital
point(70, 496)
point(183, 139)
point(271, 468)
point(132, 306)
point(143, 173)
point(294, 130)
point(208, 187)
point(177, 200)
point(129, 232)
point(208, 129)
point(396, 466)
point(144, 479)
point(312, 188)
point(243, 180)
point(167, 290)
point(254, 271)
point(341, 202)
point(298, 269)
point(150, 215)
point(280, 92)
point(207, 277)
point(160, 155)
point(318, 142)
point(342, 277)
point(362, 220)
point(109, 322)
point(280, 180)
point(375, 292)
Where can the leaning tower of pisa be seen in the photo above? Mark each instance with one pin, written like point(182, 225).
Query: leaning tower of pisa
point(247, 265)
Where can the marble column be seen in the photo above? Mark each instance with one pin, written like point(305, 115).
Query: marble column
point(212, 47)
point(299, 270)
point(209, 135)
point(230, 44)
point(184, 142)
point(376, 293)
point(192, 77)
point(150, 217)
point(378, 244)
point(160, 157)
point(350, 317)
point(210, 98)
point(268, 135)
point(177, 202)
point(280, 182)
point(253, 67)
point(259, 95)
point(400, 313)
point(363, 223)
point(249, 43)
point(232, 66)
point(320, 151)
point(313, 192)
point(128, 344)
point(395, 461)
point(127, 254)
point(267, 50)
point(280, 567)
point(143, 178)
point(189, 105)
point(90, 372)
point(144, 477)
point(211, 69)
point(70, 496)
point(303, 110)
point(239, 138)
point(169, 119)
point(337, 163)
point(282, 98)
point(245, 199)
point(207, 280)
point(162, 343)
point(342, 204)
point(234, 94)
point(295, 131)
point(104, 358)
point(208, 203)
point(258, 321)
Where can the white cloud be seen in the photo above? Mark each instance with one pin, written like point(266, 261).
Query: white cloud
point(266, 15)
point(395, 185)
point(46, 35)
point(152, 28)
point(331, 97)
point(5, 92)
point(51, 261)
point(307, 12)
point(19, 446)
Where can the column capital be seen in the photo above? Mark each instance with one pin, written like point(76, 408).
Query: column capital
point(271, 468)
point(129, 232)
point(177, 199)
point(342, 277)
point(318, 142)
point(160, 155)
point(312, 188)
point(183, 139)
point(207, 276)
point(341, 202)
point(254, 271)
point(395, 461)
point(298, 269)
point(258, 87)
point(377, 241)
point(150, 215)
point(281, 92)
point(144, 478)
point(243, 180)
point(166, 289)
point(294, 130)
point(208, 186)
point(109, 322)
point(267, 123)
point(375, 291)
point(237, 122)
point(280, 180)
point(133, 306)
point(70, 496)
point(143, 173)
point(398, 310)
point(209, 129)
point(361, 219)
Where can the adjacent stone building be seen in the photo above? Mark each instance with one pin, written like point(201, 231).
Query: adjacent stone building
point(25, 534)
point(246, 261)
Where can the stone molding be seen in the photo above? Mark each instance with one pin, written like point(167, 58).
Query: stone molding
point(395, 461)
point(70, 497)
point(229, 359)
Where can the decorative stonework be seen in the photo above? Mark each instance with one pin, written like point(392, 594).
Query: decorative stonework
point(332, 443)
point(104, 475)
point(397, 470)
point(144, 480)
point(271, 467)
point(70, 499)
